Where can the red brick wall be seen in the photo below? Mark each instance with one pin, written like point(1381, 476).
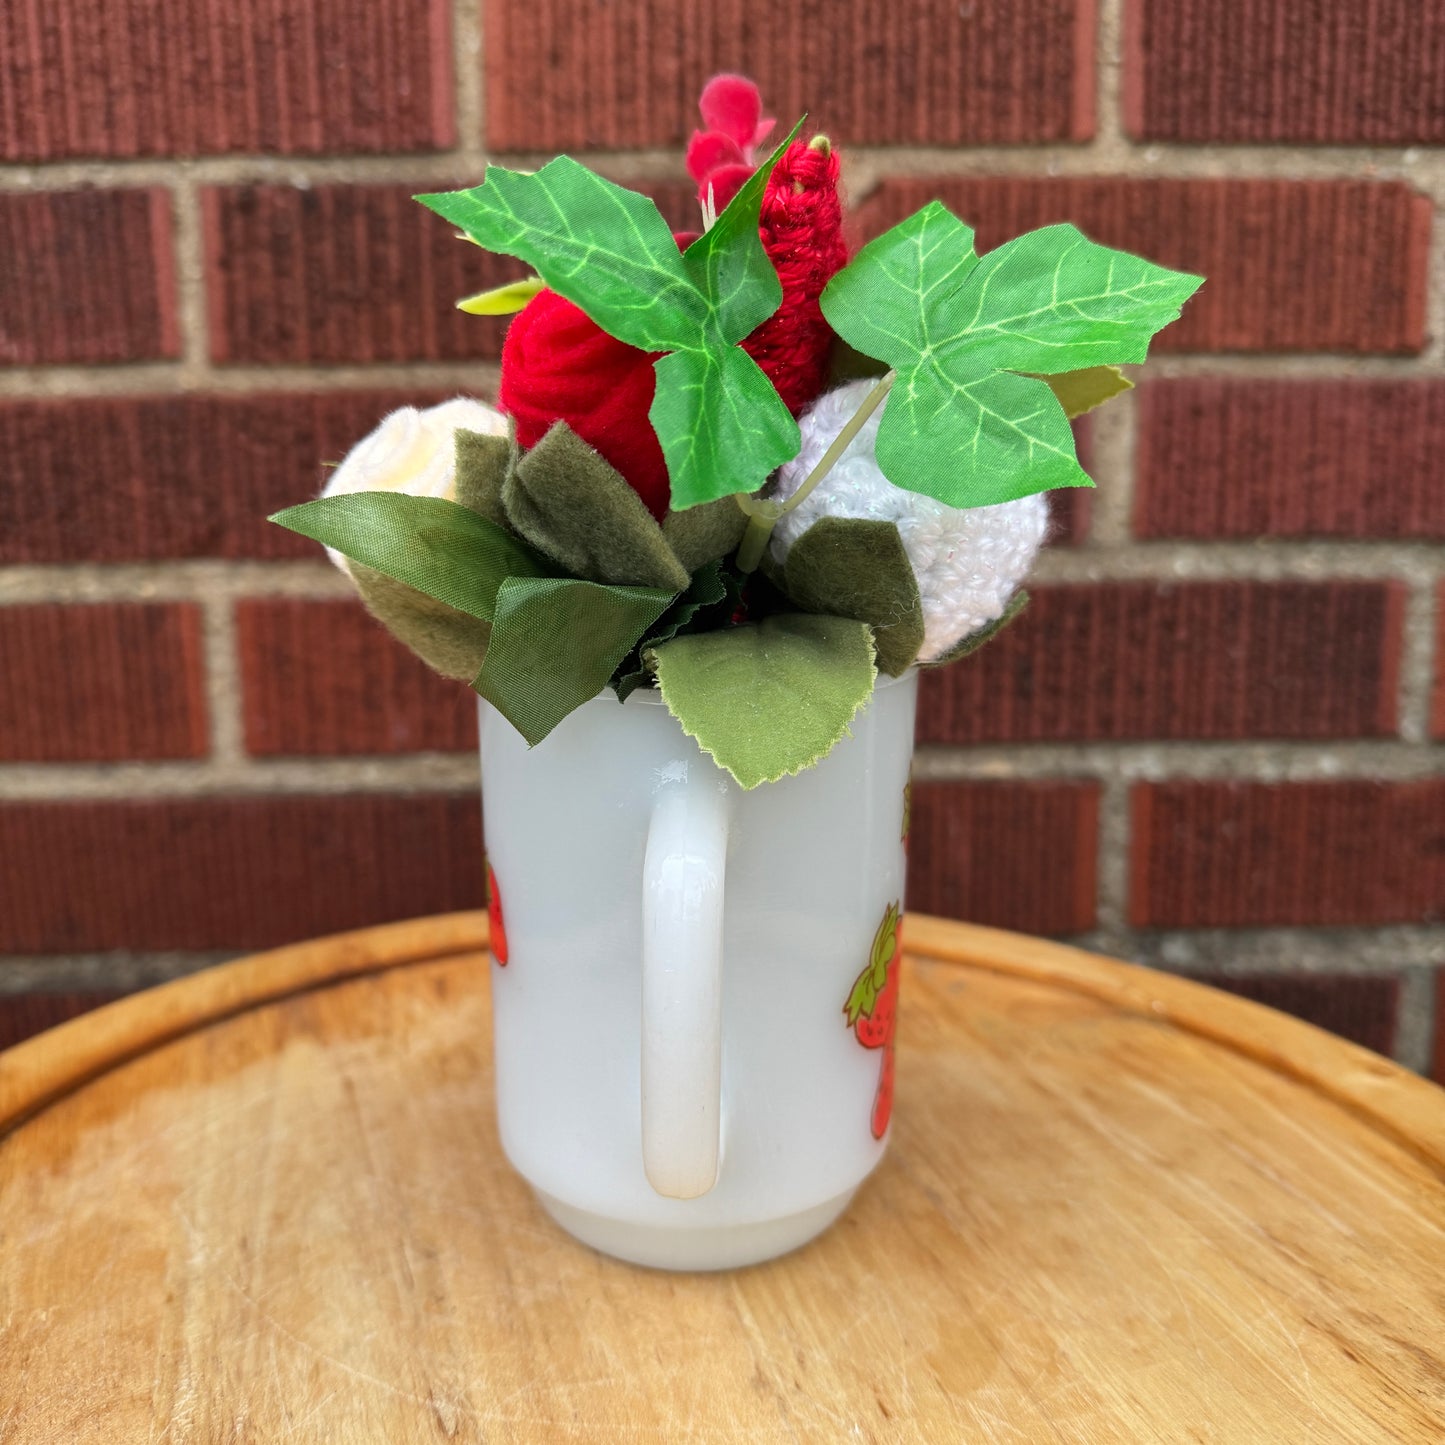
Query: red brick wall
point(1213, 744)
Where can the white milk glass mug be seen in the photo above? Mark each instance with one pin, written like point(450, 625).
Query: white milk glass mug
point(677, 1074)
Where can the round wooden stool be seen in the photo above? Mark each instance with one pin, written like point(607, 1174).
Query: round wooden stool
point(266, 1203)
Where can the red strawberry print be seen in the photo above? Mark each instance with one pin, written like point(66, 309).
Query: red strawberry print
point(494, 917)
point(872, 1008)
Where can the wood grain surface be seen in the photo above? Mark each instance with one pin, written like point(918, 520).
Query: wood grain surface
point(267, 1204)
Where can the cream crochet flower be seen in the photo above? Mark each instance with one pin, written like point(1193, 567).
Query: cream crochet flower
point(968, 562)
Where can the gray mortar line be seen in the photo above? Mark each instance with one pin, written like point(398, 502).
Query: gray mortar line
point(1111, 444)
point(223, 683)
point(1417, 664)
point(192, 581)
point(469, 86)
point(1416, 1020)
point(1109, 144)
point(1152, 760)
point(99, 972)
point(1112, 855)
point(190, 280)
point(147, 379)
point(1286, 950)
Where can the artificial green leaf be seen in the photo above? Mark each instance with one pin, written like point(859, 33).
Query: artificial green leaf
point(706, 590)
point(448, 641)
point(705, 533)
point(555, 643)
point(571, 504)
point(1053, 300)
point(598, 244)
point(1081, 391)
point(771, 698)
point(993, 439)
point(438, 547)
point(482, 463)
point(959, 425)
point(729, 263)
point(502, 300)
point(856, 567)
point(722, 426)
point(975, 640)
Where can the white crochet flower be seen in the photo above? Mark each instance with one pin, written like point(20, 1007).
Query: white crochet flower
point(413, 452)
point(968, 561)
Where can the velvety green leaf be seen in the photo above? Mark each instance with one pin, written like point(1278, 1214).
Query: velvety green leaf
point(958, 425)
point(1081, 391)
point(728, 260)
point(555, 643)
point(707, 589)
point(448, 641)
point(856, 567)
point(573, 506)
point(722, 427)
point(768, 699)
point(705, 533)
point(598, 244)
point(482, 463)
point(440, 548)
point(975, 640)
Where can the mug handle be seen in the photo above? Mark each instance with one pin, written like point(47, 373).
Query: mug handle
point(682, 951)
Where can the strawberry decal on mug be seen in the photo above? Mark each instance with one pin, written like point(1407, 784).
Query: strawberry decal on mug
point(872, 1008)
point(494, 918)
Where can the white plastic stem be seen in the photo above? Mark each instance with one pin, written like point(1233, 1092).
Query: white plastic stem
point(682, 950)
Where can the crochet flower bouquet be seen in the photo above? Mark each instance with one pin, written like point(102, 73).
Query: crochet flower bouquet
point(737, 466)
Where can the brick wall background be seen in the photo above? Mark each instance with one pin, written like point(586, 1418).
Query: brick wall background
point(1214, 744)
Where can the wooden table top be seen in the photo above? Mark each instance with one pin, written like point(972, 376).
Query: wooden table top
point(266, 1203)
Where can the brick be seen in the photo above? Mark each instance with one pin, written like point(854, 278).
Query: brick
point(101, 682)
point(86, 276)
point(571, 74)
point(1121, 660)
point(231, 872)
point(1332, 265)
point(1362, 1008)
point(116, 78)
point(1437, 701)
point(1290, 71)
point(24, 1015)
point(183, 476)
point(348, 274)
point(1071, 508)
point(323, 678)
point(1240, 855)
point(1236, 457)
point(1015, 855)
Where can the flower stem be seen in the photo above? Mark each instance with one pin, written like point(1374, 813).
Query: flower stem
point(763, 514)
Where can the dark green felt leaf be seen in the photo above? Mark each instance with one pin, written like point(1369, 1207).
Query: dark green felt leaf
point(706, 590)
point(482, 463)
point(572, 505)
point(448, 641)
point(598, 244)
point(975, 640)
point(438, 547)
point(555, 643)
point(858, 568)
point(705, 533)
point(768, 699)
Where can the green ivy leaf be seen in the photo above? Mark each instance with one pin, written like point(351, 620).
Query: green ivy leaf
point(555, 643)
point(438, 547)
point(856, 567)
point(768, 699)
point(598, 244)
point(960, 425)
point(722, 426)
